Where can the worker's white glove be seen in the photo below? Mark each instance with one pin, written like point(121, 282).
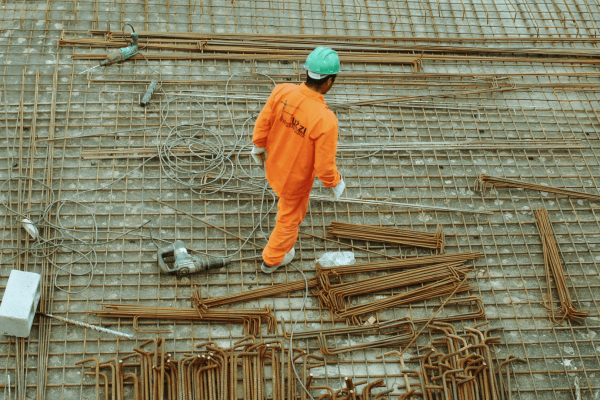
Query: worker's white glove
point(338, 190)
point(259, 155)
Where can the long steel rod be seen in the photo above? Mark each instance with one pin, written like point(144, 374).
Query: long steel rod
point(89, 326)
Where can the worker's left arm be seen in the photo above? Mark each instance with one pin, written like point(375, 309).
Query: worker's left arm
point(264, 123)
point(325, 151)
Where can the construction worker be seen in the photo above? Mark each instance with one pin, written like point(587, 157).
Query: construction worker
point(295, 138)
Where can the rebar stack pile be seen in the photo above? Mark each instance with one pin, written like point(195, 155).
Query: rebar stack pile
point(337, 297)
point(373, 233)
point(327, 274)
point(555, 269)
point(192, 47)
point(443, 287)
point(465, 371)
point(249, 370)
point(485, 181)
point(251, 319)
point(279, 47)
point(410, 262)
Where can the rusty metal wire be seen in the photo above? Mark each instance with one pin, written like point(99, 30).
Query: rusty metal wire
point(487, 181)
point(555, 269)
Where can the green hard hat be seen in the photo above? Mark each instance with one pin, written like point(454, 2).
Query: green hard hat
point(321, 62)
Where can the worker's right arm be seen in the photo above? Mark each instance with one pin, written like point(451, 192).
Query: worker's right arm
point(264, 123)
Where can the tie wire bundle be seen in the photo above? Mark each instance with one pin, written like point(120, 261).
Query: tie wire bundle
point(555, 269)
point(485, 181)
point(373, 233)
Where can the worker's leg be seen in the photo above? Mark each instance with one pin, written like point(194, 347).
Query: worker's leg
point(290, 214)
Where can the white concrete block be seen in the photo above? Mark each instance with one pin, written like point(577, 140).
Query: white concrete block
point(19, 303)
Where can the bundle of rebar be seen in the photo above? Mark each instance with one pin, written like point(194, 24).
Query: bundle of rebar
point(254, 294)
point(326, 274)
point(250, 368)
point(374, 233)
point(465, 371)
point(232, 42)
point(491, 182)
point(337, 297)
point(261, 47)
point(251, 319)
point(433, 290)
point(554, 269)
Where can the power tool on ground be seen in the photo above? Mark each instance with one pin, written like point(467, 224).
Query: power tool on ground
point(149, 92)
point(121, 54)
point(183, 262)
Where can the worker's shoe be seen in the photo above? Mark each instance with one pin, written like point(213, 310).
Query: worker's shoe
point(289, 256)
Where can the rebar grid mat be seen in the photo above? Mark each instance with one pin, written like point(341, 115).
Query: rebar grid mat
point(453, 19)
point(538, 122)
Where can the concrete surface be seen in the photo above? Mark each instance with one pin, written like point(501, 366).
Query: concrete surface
point(510, 278)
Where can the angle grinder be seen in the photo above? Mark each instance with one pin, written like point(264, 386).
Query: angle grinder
point(121, 54)
point(183, 262)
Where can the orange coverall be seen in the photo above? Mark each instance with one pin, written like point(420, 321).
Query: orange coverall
point(300, 135)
